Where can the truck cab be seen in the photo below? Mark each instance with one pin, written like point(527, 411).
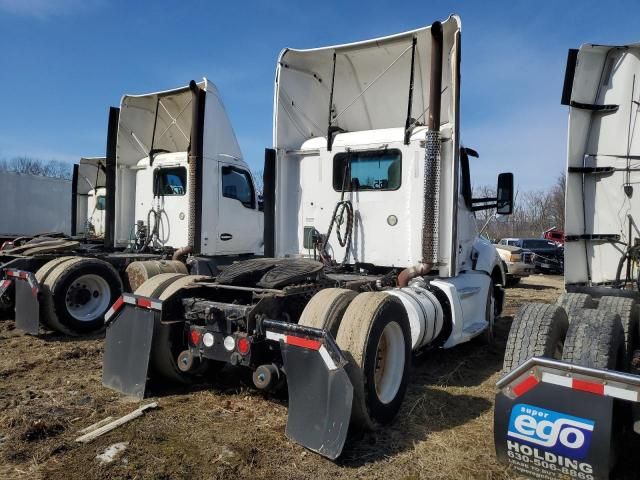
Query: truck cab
point(180, 165)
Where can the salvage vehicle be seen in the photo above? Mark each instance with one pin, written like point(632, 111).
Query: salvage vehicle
point(571, 387)
point(173, 195)
point(555, 235)
point(354, 280)
point(517, 263)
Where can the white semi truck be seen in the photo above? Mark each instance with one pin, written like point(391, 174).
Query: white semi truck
point(173, 195)
point(371, 246)
point(571, 387)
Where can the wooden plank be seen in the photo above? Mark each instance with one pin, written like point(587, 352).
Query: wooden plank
point(95, 426)
point(115, 424)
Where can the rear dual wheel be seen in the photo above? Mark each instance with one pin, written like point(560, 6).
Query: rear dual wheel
point(372, 331)
point(77, 293)
point(538, 330)
point(375, 337)
point(595, 339)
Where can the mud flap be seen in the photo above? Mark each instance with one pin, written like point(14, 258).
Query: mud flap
point(320, 391)
point(4, 286)
point(557, 420)
point(27, 300)
point(130, 324)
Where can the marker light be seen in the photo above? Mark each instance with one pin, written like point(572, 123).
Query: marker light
point(243, 345)
point(229, 343)
point(194, 337)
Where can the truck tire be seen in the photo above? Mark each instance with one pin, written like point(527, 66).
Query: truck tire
point(374, 336)
point(627, 308)
point(491, 314)
point(571, 301)
point(139, 272)
point(595, 339)
point(538, 330)
point(43, 272)
point(41, 275)
point(78, 293)
point(154, 287)
point(326, 309)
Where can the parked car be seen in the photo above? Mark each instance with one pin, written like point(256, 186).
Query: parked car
point(547, 256)
point(555, 235)
point(516, 261)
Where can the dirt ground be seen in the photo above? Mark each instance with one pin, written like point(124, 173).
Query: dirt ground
point(50, 387)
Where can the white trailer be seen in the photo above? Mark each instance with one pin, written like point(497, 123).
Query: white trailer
point(571, 386)
point(371, 244)
point(172, 195)
point(33, 204)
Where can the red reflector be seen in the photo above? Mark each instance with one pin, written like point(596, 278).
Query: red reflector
point(194, 336)
point(143, 302)
point(590, 387)
point(243, 345)
point(526, 385)
point(303, 342)
point(117, 304)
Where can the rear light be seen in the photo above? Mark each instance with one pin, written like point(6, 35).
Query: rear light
point(243, 345)
point(194, 336)
point(207, 339)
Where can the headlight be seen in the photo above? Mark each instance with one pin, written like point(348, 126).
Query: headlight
point(514, 257)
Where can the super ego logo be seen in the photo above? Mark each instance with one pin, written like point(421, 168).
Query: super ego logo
point(555, 432)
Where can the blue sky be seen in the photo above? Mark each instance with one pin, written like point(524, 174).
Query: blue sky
point(63, 62)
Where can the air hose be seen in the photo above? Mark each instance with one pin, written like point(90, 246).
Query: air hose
point(632, 253)
point(343, 207)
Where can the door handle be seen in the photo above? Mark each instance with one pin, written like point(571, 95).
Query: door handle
point(225, 236)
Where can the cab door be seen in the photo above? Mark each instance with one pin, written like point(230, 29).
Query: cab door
point(239, 229)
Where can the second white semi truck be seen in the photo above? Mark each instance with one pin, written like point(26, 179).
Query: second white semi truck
point(174, 194)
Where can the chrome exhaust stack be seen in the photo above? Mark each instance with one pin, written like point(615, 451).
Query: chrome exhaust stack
point(431, 205)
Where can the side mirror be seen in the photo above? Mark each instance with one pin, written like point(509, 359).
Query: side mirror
point(504, 194)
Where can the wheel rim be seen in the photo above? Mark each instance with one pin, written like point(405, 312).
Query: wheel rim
point(390, 359)
point(88, 297)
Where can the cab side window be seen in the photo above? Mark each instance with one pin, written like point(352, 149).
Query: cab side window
point(237, 184)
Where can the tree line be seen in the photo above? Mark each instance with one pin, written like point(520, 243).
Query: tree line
point(34, 166)
point(534, 211)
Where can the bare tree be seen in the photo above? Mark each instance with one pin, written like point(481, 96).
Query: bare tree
point(258, 179)
point(534, 211)
point(33, 166)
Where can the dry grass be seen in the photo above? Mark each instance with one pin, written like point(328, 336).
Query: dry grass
point(50, 388)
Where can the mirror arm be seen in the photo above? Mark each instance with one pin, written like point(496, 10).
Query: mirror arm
point(483, 200)
point(489, 206)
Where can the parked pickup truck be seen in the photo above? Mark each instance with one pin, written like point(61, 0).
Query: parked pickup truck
point(517, 263)
point(547, 256)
